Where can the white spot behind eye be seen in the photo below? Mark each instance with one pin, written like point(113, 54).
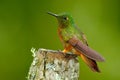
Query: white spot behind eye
point(65, 18)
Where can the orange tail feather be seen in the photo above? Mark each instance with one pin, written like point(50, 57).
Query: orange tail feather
point(91, 63)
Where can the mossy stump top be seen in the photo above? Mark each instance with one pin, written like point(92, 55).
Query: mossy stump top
point(53, 65)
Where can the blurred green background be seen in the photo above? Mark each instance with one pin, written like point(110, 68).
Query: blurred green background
point(24, 24)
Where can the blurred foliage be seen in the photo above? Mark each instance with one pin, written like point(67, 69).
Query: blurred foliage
point(24, 24)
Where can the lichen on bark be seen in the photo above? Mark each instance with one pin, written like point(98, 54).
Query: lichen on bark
point(53, 65)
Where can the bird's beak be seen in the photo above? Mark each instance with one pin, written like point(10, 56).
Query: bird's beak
point(50, 13)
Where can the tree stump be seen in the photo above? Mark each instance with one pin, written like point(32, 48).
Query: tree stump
point(53, 65)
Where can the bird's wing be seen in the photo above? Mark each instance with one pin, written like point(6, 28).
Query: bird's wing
point(83, 37)
point(84, 49)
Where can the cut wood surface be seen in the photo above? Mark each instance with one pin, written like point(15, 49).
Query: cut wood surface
point(53, 65)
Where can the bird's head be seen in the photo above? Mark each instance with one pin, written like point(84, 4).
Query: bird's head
point(64, 19)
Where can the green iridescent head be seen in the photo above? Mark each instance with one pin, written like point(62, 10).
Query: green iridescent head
point(64, 19)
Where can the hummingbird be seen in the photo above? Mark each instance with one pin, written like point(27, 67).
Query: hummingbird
point(74, 40)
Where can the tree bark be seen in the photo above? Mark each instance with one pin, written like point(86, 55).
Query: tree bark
point(53, 65)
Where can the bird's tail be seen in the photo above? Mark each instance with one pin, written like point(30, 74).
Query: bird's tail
point(91, 63)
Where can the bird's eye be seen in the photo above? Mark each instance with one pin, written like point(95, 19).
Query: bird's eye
point(65, 18)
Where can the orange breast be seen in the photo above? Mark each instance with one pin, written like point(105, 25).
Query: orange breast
point(60, 35)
